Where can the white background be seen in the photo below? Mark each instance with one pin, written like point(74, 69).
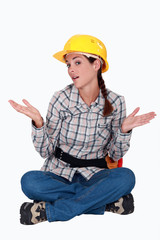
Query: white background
point(31, 31)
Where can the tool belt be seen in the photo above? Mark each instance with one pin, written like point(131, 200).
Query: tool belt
point(76, 162)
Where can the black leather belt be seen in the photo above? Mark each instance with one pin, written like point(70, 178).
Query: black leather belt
point(75, 162)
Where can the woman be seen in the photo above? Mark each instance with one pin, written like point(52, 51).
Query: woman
point(85, 125)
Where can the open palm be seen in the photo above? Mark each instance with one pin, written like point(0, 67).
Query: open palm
point(29, 111)
point(133, 121)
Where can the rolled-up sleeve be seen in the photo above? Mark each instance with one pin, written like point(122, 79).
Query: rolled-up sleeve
point(120, 142)
point(45, 138)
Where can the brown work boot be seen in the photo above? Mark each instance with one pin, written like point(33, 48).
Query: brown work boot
point(124, 206)
point(32, 213)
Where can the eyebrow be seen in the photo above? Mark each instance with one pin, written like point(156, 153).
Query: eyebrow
point(73, 58)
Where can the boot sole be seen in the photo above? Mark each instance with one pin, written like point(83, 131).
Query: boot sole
point(25, 216)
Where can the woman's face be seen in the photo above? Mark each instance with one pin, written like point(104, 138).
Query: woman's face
point(81, 71)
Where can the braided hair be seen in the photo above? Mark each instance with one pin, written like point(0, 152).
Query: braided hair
point(108, 108)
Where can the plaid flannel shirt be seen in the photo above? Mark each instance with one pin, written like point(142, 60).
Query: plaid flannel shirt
point(80, 131)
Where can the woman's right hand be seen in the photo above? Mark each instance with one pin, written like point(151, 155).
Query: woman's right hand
point(29, 111)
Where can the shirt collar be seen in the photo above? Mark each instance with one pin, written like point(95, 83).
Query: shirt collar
point(76, 100)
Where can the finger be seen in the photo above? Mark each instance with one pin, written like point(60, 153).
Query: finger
point(147, 116)
point(18, 107)
point(25, 111)
point(13, 104)
point(135, 112)
point(30, 107)
point(151, 114)
point(27, 103)
point(143, 120)
point(21, 108)
point(142, 123)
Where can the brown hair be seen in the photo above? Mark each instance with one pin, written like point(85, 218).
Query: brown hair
point(108, 108)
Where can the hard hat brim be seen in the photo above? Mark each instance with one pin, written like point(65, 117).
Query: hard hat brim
point(60, 55)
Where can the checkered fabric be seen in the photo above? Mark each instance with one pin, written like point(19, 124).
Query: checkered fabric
point(81, 131)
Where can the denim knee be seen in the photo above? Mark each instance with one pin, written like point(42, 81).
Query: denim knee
point(128, 179)
point(27, 184)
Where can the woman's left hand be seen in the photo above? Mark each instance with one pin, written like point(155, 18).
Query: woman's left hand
point(133, 121)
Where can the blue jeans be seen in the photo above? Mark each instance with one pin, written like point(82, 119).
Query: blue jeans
point(65, 199)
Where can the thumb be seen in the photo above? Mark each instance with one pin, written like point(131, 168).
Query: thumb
point(135, 112)
point(26, 103)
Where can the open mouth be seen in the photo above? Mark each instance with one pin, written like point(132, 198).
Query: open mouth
point(74, 78)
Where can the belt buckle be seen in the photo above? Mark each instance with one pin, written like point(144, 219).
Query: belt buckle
point(61, 154)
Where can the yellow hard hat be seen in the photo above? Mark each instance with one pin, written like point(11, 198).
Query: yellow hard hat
point(84, 44)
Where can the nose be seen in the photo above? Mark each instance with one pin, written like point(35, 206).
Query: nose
point(71, 69)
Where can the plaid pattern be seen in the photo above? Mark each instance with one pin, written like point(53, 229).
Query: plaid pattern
point(81, 131)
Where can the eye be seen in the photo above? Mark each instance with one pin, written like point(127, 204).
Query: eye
point(68, 65)
point(78, 62)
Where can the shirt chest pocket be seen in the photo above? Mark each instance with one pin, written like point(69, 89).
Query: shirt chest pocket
point(73, 130)
point(104, 128)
